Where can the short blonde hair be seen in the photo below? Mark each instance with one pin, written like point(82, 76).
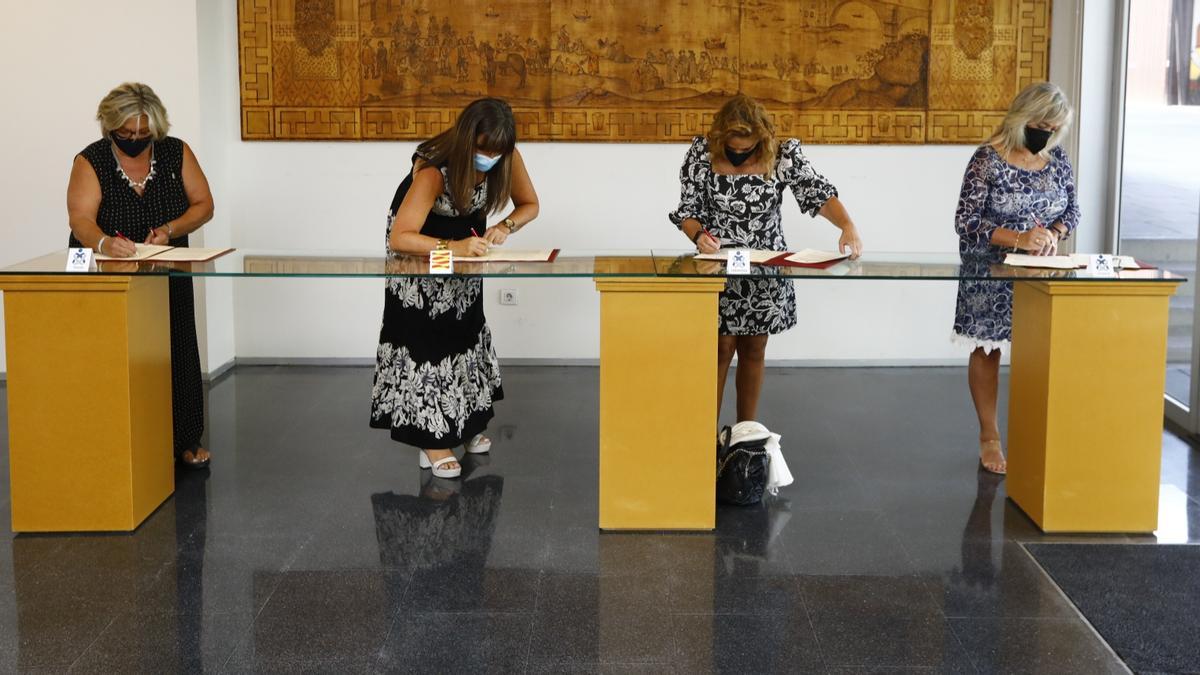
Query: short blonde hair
point(1037, 103)
point(133, 99)
point(742, 116)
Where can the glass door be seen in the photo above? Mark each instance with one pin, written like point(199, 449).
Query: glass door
point(1159, 216)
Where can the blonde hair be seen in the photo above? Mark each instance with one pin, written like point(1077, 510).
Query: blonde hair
point(743, 117)
point(1037, 103)
point(133, 99)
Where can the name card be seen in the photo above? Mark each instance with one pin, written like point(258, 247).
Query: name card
point(80, 260)
point(738, 262)
point(441, 262)
point(1102, 265)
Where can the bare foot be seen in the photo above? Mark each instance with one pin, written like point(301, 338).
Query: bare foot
point(198, 457)
point(991, 457)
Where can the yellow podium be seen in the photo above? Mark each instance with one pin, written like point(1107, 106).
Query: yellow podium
point(1086, 403)
point(658, 402)
point(89, 400)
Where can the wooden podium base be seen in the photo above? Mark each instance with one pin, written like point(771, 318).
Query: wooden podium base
point(89, 400)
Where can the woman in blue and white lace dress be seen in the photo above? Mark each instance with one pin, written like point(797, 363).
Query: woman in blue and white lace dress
point(1018, 194)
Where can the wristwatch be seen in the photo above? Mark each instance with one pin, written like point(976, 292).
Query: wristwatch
point(510, 224)
point(442, 245)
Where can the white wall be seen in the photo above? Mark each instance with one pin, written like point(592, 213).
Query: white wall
point(333, 196)
point(57, 60)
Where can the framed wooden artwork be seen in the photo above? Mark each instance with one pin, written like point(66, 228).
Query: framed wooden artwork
point(829, 71)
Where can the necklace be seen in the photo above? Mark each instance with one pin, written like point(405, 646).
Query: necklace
point(136, 185)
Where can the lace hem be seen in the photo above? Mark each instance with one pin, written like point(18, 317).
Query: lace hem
point(988, 346)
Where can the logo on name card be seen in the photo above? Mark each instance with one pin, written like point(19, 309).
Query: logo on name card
point(1102, 265)
point(738, 262)
point(441, 262)
point(80, 260)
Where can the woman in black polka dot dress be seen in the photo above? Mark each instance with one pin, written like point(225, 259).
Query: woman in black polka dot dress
point(138, 184)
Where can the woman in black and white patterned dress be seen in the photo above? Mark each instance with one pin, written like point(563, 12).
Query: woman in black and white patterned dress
point(436, 373)
point(732, 185)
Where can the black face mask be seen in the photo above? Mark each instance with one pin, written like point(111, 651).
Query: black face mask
point(1036, 139)
point(739, 158)
point(129, 146)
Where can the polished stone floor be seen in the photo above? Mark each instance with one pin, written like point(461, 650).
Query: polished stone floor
point(316, 545)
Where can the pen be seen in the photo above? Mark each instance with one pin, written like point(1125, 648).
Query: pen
point(122, 236)
point(474, 233)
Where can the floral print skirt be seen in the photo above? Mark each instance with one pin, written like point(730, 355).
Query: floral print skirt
point(436, 373)
point(761, 304)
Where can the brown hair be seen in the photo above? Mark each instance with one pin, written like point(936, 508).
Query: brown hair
point(742, 116)
point(455, 149)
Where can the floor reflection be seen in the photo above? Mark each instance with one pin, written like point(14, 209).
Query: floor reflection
point(446, 529)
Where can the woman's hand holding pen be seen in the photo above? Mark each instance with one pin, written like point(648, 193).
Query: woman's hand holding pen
point(470, 247)
point(707, 243)
point(1038, 241)
point(119, 247)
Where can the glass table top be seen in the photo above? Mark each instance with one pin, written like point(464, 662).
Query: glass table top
point(576, 263)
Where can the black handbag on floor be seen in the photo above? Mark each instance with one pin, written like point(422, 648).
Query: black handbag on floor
point(741, 469)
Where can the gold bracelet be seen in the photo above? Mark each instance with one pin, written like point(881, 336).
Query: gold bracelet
point(442, 245)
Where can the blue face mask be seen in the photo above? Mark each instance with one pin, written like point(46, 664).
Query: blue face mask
point(484, 163)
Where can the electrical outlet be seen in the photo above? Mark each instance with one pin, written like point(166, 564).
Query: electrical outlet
point(508, 296)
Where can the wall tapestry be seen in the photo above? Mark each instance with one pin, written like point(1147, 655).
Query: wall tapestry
point(830, 71)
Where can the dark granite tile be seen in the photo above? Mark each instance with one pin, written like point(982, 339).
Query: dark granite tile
point(843, 542)
point(1034, 646)
point(585, 618)
point(998, 580)
point(880, 621)
point(228, 574)
point(163, 643)
point(457, 643)
point(55, 636)
point(730, 643)
point(471, 586)
point(324, 616)
point(735, 594)
point(899, 502)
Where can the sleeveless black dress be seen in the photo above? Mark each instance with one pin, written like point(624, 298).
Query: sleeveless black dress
point(436, 373)
point(122, 210)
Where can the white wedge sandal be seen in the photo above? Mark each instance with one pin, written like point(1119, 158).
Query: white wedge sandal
point(436, 467)
point(479, 445)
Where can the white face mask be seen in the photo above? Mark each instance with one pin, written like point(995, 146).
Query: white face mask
point(484, 163)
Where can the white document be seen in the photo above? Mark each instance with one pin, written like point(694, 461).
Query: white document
point(1063, 262)
point(504, 255)
point(756, 257)
point(189, 254)
point(1055, 262)
point(144, 252)
point(810, 256)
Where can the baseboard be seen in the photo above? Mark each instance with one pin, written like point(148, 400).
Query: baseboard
point(351, 362)
point(333, 362)
point(360, 362)
point(219, 373)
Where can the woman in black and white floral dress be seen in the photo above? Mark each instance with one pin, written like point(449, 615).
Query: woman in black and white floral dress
point(732, 185)
point(436, 373)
